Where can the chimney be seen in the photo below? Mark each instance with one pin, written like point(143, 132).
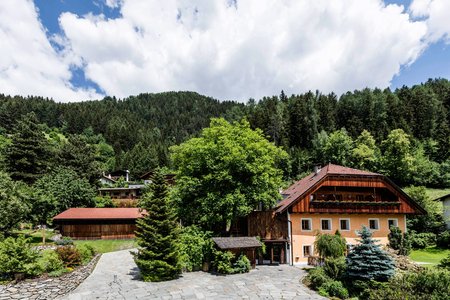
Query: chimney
point(127, 178)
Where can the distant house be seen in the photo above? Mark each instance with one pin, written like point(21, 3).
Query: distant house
point(132, 192)
point(446, 203)
point(147, 178)
point(332, 198)
point(98, 223)
point(112, 177)
point(107, 180)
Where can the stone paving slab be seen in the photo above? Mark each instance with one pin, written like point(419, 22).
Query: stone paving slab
point(116, 276)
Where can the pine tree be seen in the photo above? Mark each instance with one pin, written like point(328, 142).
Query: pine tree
point(157, 235)
point(367, 261)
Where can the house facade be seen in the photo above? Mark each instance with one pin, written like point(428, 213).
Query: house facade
point(332, 198)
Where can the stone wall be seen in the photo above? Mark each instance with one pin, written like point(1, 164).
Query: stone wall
point(47, 288)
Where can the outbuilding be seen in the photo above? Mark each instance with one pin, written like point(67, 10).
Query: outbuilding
point(98, 223)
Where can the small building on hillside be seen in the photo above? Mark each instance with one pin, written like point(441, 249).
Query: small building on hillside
point(98, 223)
point(446, 204)
point(332, 198)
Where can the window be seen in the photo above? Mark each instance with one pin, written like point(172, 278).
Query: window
point(344, 224)
point(326, 224)
point(392, 223)
point(374, 224)
point(306, 224)
point(307, 250)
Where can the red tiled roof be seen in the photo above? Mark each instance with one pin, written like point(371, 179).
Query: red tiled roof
point(99, 213)
point(296, 190)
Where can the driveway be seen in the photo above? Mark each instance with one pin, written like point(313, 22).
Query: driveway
point(115, 277)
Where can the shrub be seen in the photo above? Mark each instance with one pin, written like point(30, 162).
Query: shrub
point(242, 265)
point(195, 248)
point(222, 262)
point(334, 267)
point(399, 241)
point(16, 256)
point(59, 272)
point(333, 288)
point(64, 241)
point(423, 240)
point(443, 240)
point(445, 263)
point(317, 277)
point(329, 245)
point(49, 261)
point(86, 253)
point(69, 255)
point(103, 202)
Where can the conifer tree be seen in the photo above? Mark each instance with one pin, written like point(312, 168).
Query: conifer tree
point(367, 261)
point(157, 234)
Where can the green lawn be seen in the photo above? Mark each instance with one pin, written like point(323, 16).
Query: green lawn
point(430, 255)
point(103, 246)
point(35, 236)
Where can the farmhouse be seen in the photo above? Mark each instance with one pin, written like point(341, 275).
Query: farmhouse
point(98, 223)
point(332, 198)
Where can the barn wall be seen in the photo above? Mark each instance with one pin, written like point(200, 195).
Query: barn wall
point(98, 231)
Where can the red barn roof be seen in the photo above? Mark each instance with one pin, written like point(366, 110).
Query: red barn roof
point(99, 213)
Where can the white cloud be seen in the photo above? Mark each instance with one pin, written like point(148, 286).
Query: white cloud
point(253, 49)
point(28, 63)
point(437, 17)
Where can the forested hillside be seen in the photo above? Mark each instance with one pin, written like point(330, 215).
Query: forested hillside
point(404, 133)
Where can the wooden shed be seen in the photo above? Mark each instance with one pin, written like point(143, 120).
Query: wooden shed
point(237, 245)
point(98, 223)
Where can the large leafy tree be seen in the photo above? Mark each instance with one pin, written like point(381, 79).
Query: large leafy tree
point(226, 173)
point(13, 203)
point(28, 155)
point(157, 234)
point(365, 154)
point(367, 261)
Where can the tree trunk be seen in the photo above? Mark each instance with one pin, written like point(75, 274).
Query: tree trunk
point(43, 234)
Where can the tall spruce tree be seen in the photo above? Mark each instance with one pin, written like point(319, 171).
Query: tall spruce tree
point(367, 261)
point(157, 235)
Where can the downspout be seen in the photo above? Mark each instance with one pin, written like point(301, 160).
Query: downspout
point(289, 243)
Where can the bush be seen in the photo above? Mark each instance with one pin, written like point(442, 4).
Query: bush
point(395, 237)
point(222, 262)
point(317, 277)
point(64, 241)
point(49, 261)
point(86, 253)
point(445, 263)
point(423, 240)
point(443, 240)
point(242, 265)
point(333, 288)
point(195, 248)
point(330, 245)
point(334, 267)
point(16, 256)
point(69, 255)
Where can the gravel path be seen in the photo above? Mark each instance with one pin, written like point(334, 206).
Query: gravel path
point(116, 277)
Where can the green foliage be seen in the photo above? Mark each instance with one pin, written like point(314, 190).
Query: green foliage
point(69, 255)
point(222, 262)
point(16, 256)
point(49, 261)
point(333, 288)
point(432, 284)
point(443, 240)
point(445, 263)
point(317, 277)
point(335, 267)
point(242, 265)
point(195, 248)
point(365, 154)
point(338, 148)
point(422, 240)
point(229, 165)
point(399, 241)
point(330, 245)
point(367, 261)
point(157, 235)
point(64, 241)
point(103, 201)
point(87, 252)
point(13, 203)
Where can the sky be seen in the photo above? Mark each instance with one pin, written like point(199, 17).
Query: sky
point(76, 50)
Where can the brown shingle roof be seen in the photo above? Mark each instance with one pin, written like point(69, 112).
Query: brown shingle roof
point(300, 187)
point(99, 213)
point(237, 242)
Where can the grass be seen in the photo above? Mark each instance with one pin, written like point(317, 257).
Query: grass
point(436, 193)
point(432, 255)
point(35, 236)
point(104, 246)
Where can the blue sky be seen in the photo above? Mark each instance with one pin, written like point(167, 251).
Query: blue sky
point(80, 50)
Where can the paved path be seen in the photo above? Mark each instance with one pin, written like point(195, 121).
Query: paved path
point(116, 277)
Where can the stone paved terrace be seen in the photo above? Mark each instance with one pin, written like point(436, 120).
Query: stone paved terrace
point(115, 277)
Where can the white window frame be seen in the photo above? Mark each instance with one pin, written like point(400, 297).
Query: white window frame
point(310, 224)
point(378, 224)
point(349, 224)
point(395, 221)
point(330, 222)
point(311, 250)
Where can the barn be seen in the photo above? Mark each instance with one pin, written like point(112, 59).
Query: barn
point(98, 223)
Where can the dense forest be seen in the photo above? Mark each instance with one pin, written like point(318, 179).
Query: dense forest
point(403, 133)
